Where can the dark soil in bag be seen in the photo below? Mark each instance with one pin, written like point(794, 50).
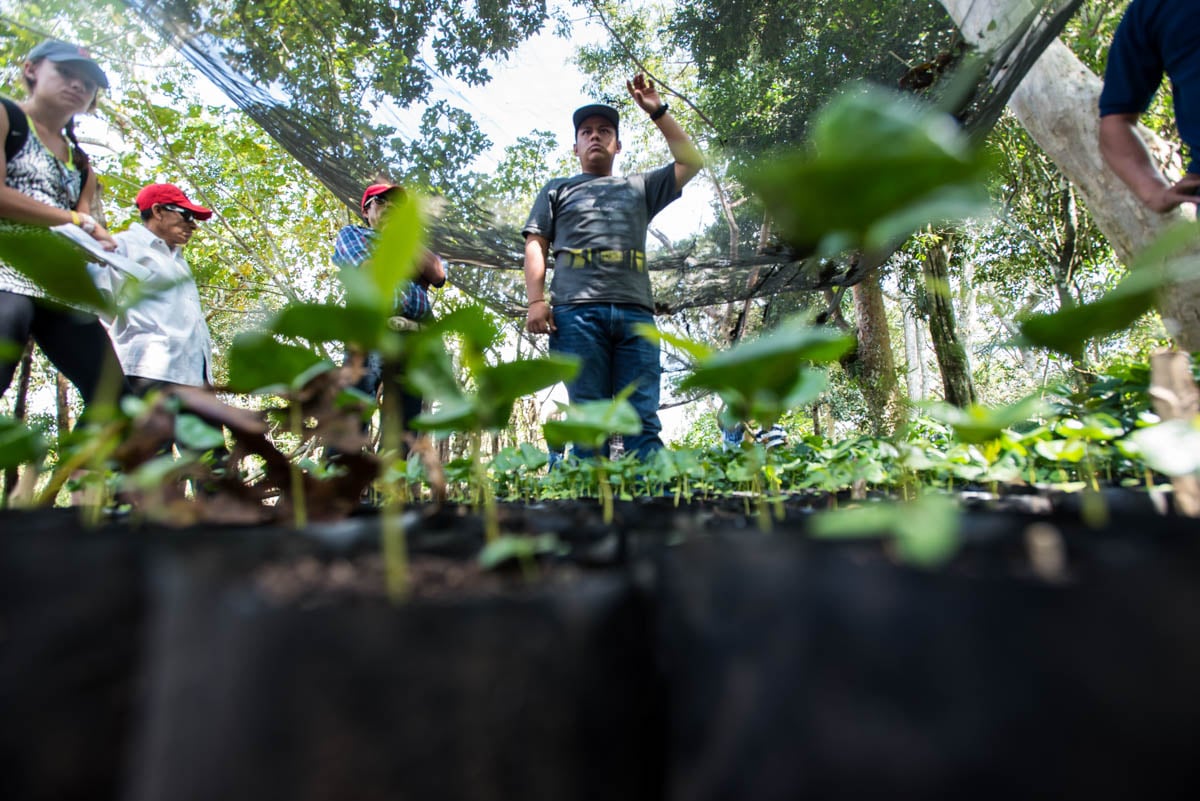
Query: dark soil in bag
point(813, 670)
point(72, 604)
point(541, 692)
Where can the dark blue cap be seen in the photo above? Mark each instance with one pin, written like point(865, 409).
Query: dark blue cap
point(59, 52)
point(597, 110)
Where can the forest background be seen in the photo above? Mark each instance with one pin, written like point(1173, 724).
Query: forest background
point(936, 322)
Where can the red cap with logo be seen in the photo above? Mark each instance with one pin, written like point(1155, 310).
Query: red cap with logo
point(169, 195)
point(374, 190)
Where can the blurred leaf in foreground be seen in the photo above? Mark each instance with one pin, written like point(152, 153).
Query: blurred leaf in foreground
point(879, 166)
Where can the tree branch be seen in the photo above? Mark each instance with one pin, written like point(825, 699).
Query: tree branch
point(642, 68)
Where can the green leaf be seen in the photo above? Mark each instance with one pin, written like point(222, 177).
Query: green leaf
point(1093, 428)
point(321, 322)
point(431, 372)
point(871, 121)
point(978, 424)
point(152, 474)
point(11, 351)
point(503, 550)
point(258, 362)
point(192, 432)
point(450, 414)
point(521, 377)
point(302, 379)
point(761, 379)
point(51, 262)
point(500, 385)
point(394, 259)
point(1061, 450)
point(925, 530)
point(1068, 331)
point(472, 323)
point(19, 444)
point(880, 166)
point(534, 457)
point(591, 423)
point(944, 204)
point(1172, 448)
point(697, 350)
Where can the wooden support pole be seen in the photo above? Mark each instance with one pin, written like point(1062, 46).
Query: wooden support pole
point(1175, 396)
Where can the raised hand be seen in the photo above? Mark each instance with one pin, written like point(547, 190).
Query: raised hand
point(644, 94)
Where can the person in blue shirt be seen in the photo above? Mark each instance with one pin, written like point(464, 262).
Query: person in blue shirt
point(1153, 38)
point(352, 248)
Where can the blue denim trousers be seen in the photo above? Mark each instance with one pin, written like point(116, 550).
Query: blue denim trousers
point(612, 357)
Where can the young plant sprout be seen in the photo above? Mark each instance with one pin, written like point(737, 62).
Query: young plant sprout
point(764, 378)
point(496, 388)
point(590, 424)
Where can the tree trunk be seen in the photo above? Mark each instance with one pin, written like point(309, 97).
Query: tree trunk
point(1064, 271)
point(1064, 265)
point(922, 353)
point(957, 385)
point(62, 398)
point(968, 296)
point(912, 357)
point(20, 407)
point(877, 366)
point(1057, 104)
point(735, 318)
point(1175, 398)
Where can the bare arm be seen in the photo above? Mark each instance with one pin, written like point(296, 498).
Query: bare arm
point(539, 319)
point(688, 160)
point(20, 207)
point(1126, 154)
point(85, 207)
point(433, 270)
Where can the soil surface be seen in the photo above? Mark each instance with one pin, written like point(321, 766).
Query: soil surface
point(308, 582)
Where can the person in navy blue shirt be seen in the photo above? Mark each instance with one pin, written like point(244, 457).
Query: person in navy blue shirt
point(1154, 37)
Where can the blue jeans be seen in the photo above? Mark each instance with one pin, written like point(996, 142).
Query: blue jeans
point(612, 357)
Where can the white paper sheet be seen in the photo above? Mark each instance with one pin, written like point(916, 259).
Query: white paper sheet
point(98, 254)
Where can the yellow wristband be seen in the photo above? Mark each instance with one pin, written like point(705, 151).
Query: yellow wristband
point(75, 217)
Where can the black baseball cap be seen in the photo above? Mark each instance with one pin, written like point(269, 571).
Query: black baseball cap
point(596, 110)
point(59, 52)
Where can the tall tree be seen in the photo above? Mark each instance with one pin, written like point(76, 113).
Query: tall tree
point(957, 384)
point(875, 363)
point(333, 68)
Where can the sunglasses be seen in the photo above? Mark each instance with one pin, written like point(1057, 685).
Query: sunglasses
point(378, 200)
point(188, 215)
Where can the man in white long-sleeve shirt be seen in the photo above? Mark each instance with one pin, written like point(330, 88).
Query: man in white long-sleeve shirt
point(162, 339)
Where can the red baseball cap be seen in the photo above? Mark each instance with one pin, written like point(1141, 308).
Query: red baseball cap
point(374, 190)
point(169, 195)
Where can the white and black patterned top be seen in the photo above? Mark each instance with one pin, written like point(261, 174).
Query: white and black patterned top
point(37, 172)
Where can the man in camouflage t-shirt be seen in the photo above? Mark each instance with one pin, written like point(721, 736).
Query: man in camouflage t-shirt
point(595, 225)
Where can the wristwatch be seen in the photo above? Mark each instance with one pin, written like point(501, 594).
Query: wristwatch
point(658, 112)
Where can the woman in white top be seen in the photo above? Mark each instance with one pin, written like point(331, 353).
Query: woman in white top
point(47, 182)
